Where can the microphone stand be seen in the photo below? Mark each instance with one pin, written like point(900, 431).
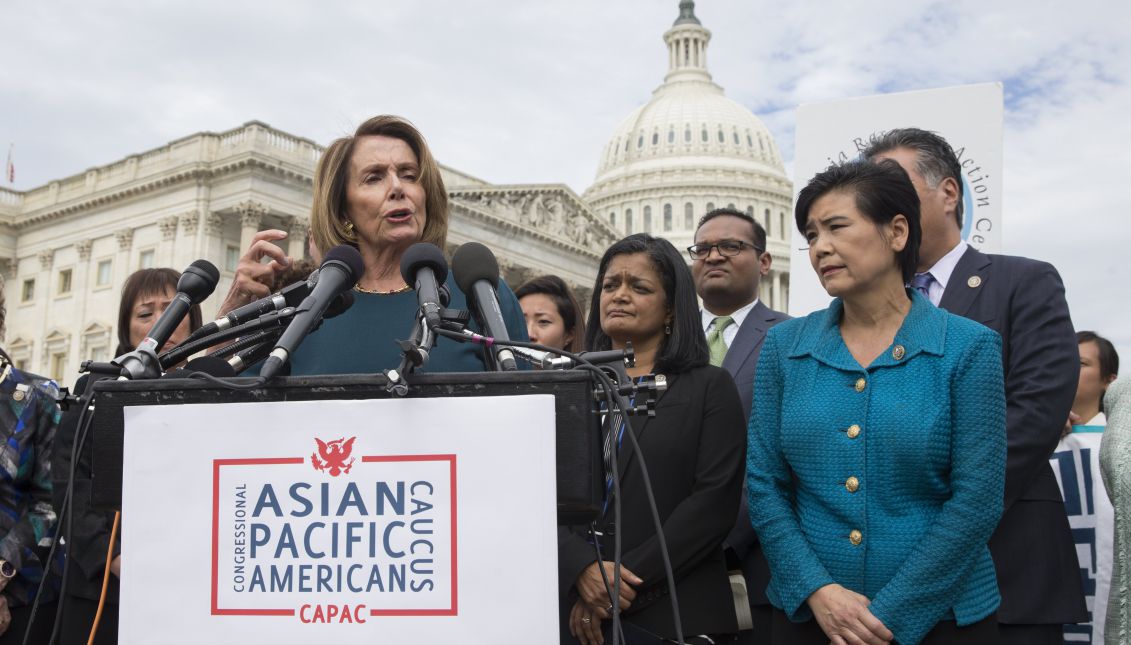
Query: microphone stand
point(414, 351)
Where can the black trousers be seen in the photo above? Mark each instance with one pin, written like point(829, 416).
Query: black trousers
point(1031, 634)
point(946, 632)
point(78, 616)
point(44, 619)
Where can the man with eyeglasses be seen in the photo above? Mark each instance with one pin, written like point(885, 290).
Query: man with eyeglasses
point(729, 259)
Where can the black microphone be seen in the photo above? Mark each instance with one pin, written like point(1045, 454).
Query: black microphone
point(340, 271)
point(423, 266)
point(289, 296)
point(477, 273)
point(196, 283)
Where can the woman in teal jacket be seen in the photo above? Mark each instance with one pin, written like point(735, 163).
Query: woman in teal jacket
point(877, 440)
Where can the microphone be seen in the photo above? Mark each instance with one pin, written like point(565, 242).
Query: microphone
point(340, 271)
point(196, 283)
point(289, 296)
point(477, 273)
point(423, 265)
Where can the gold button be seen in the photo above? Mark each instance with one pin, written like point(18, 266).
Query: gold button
point(860, 384)
point(853, 431)
point(18, 395)
point(852, 484)
point(898, 353)
point(855, 537)
point(974, 282)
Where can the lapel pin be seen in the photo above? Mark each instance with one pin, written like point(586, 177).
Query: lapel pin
point(974, 282)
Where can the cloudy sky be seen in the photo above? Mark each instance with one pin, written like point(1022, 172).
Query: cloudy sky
point(519, 91)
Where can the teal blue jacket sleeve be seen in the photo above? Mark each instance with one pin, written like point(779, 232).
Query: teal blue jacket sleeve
point(795, 570)
point(922, 590)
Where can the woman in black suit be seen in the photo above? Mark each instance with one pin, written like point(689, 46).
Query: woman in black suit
point(693, 449)
point(145, 296)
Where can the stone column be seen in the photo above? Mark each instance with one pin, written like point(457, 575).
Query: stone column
point(122, 268)
point(166, 253)
point(251, 215)
point(296, 237)
point(80, 288)
point(184, 252)
point(46, 289)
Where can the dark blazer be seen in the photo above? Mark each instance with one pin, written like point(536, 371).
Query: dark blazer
point(741, 361)
point(693, 450)
point(1033, 551)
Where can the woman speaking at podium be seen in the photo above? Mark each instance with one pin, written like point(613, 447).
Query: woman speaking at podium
point(693, 449)
point(380, 191)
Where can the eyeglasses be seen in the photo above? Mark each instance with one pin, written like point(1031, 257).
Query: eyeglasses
point(726, 248)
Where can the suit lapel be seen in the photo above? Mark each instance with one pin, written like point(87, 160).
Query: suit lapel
point(966, 282)
point(638, 426)
point(752, 331)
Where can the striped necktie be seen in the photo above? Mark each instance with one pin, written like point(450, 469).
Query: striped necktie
point(922, 283)
point(715, 341)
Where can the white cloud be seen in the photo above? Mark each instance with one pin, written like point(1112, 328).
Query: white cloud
point(528, 92)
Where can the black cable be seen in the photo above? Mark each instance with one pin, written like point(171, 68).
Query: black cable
point(244, 343)
point(664, 556)
point(66, 518)
point(227, 384)
point(181, 352)
point(604, 577)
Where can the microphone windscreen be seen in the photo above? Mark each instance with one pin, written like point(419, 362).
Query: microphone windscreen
point(474, 262)
point(339, 305)
point(349, 256)
point(199, 280)
point(208, 364)
point(420, 256)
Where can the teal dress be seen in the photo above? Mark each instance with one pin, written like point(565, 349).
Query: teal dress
point(363, 339)
point(887, 479)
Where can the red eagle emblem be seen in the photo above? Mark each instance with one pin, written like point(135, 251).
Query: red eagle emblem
point(333, 456)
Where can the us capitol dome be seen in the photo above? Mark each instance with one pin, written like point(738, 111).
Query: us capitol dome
point(689, 150)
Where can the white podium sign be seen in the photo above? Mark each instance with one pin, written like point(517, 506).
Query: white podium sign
point(969, 117)
point(375, 521)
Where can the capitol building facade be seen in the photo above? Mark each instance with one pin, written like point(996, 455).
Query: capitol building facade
point(67, 247)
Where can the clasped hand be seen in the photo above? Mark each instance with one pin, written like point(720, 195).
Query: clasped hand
point(845, 618)
point(594, 605)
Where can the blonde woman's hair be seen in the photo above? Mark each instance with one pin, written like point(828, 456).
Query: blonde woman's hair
point(328, 216)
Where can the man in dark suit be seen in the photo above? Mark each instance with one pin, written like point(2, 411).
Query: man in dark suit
point(1023, 300)
point(729, 259)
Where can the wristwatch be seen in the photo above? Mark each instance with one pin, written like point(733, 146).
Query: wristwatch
point(7, 570)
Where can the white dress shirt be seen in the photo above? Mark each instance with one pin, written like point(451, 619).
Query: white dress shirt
point(732, 330)
point(942, 271)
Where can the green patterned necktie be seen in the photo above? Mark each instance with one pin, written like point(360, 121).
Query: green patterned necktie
point(715, 341)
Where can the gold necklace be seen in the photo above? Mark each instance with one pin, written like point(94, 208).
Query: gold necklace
point(361, 289)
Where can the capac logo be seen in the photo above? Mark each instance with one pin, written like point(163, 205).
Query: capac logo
point(333, 456)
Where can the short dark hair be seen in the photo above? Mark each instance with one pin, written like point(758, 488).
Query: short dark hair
point(562, 296)
point(881, 190)
point(759, 232)
point(144, 282)
point(936, 158)
point(1109, 358)
point(686, 347)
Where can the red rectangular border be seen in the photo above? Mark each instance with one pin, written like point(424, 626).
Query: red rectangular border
point(217, 463)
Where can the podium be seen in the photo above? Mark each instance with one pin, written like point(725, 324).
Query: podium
point(319, 509)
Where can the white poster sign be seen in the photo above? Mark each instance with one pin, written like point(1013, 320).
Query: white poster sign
point(969, 117)
point(377, 521)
